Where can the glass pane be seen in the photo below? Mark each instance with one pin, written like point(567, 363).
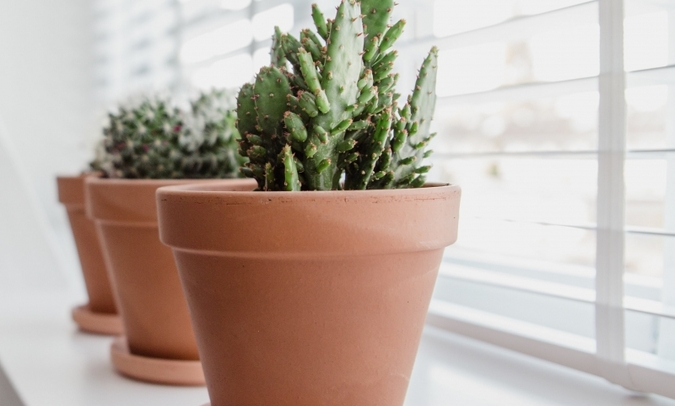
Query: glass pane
point(264, 22)
point(566, 54)
point(650, 335)
point(569, 316)
point(234, 4)
point(537, 247)
point(548, 124)
point(261, 57)
point(641, 331)
point(472, 69)
point(666, 338)
point(547, 56)
point(455, 16)
point(225, 73)
point(504, 199)
point(647, 34)
point(649, 125)
point(192, 9)
point(650, 192)
point(650, 255)
point(552, 190)
point(217, 42)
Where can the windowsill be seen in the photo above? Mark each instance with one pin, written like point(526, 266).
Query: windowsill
point(49, 363)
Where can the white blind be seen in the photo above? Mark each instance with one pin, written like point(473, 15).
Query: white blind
point(567, 230)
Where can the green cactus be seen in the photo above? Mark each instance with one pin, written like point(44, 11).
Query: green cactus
point(155, 140)
point(324, 114)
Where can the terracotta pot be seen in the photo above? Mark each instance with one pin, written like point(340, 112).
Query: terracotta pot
point(99, 315)
point(155, 316)
point(308, 298)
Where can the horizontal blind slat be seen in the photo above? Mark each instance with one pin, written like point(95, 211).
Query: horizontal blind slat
point(549, 289)
point(525, 91)
point(649, 373)
point(514, 154)
point(651, 76)
point(514, 28)
point(523, 284)
point(635, 154)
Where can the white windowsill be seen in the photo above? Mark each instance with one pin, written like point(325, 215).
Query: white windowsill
point(49, 363)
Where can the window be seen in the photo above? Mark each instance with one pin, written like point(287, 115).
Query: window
point(557, 117)
point(563, 152)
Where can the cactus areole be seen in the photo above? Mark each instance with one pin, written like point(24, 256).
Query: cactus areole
point(324, 115)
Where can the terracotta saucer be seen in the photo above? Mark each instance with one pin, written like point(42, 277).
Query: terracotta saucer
point(98, 323)
point(155, 370)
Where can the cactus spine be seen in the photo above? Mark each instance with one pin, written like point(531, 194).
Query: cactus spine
point(324, 114)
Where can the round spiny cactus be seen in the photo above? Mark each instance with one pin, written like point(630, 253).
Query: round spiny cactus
point(212, 136)
point(152, 139)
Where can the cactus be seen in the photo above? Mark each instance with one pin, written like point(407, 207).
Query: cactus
point(155, 140)
point(324, 115)
point(212, 122)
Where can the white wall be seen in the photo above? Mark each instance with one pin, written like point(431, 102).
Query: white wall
point(46, 109)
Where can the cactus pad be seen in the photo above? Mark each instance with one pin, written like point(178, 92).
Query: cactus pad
point(329, 119)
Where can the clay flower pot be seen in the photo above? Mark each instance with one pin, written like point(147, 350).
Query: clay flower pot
point(308, 298)
point(159, 344)
point(99, 315)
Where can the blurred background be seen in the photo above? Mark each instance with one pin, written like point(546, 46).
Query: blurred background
point(517, 117)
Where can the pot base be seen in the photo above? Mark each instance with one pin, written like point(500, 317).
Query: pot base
point(97, 323)
point(155, 370)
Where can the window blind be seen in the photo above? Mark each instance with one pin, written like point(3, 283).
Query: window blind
point(565, 251)
point(557, 117)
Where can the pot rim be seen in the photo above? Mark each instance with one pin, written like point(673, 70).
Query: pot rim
point(213, 189)
point(132, 202)
point(70, 189)
point(213, 221)
point(149, 182)
point(79, 175)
